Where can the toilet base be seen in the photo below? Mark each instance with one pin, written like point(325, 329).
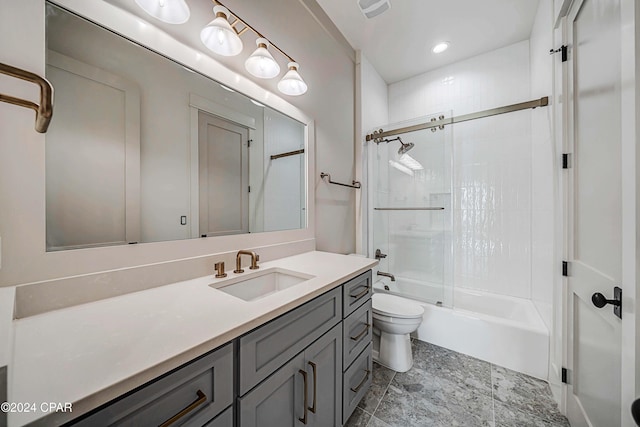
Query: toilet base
point(393, 351)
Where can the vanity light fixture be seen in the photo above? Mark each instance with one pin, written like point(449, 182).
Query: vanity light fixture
point(440, 47)
point(169, 11)
point(221, 37)
point(292, 84)
point(261, 64)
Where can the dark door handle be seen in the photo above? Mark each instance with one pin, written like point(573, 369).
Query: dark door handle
point(600, 301)
point(635, 411)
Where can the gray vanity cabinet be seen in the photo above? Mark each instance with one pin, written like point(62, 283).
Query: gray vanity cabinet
point(308, 367)
point(305, 391)
point(278, 401)
point(191, 395)
point(324, 379)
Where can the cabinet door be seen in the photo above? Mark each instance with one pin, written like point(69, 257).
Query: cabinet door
point(278, 400)
point(324, 370)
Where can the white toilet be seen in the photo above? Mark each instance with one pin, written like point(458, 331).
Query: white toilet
point(394, 318)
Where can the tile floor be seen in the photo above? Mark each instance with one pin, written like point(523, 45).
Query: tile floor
point(445, 389)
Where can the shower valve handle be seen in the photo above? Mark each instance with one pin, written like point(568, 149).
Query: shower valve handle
point(379, 254)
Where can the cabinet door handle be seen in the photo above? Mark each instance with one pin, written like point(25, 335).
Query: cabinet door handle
point(306, 399)
point(363, 293)
point(193, 405)
point(315, 387)
point(364, 380)
point(364, 331)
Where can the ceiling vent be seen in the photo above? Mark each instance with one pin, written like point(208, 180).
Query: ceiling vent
point(373, 8)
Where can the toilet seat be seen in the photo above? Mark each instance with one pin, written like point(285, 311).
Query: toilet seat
point(393, 306)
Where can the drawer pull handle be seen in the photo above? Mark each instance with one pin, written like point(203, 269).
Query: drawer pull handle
point(199, 401)
point(315, 387)
point(361, 294)
point(306, 397)
point(364, 380)
point(364, 331)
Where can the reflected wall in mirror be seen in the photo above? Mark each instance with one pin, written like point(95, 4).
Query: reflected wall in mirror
point(142, 149)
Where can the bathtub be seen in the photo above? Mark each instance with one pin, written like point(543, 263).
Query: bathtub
point(502, 330)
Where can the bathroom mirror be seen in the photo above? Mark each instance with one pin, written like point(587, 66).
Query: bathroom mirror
point(143, 149)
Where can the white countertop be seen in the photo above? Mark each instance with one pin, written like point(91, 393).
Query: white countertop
point(92, 353)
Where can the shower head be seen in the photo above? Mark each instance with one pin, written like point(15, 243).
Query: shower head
point(404, 147)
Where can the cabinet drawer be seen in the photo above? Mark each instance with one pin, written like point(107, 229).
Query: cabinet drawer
point(356, 291)
point(357, 333)
point(204, 385)
point(356, 382)
point(265, 349)
point(225, 419)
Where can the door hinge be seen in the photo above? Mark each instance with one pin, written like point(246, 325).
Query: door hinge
point(565, 268)
point(563, 51)
point(566, 161)
point(249, 189)
point(565, 376)
point(249, 142)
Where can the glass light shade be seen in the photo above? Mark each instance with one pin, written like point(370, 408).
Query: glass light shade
point(261, 64)
point(169, 11)
point(219, 37)
point(292, 84)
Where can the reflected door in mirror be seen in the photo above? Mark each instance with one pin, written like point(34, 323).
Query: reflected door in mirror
point(92, 157)
point(223, 176)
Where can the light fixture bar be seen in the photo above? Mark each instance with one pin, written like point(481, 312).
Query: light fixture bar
point(247, 26)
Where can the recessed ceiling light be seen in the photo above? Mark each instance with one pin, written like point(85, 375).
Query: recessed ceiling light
point(440, 47)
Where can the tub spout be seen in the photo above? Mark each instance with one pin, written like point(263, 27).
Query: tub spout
point(391, 276)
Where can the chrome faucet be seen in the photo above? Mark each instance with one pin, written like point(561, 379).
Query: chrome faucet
point(254, 261)
point(382, 273)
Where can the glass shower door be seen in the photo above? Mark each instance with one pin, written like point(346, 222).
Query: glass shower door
point(411, 213)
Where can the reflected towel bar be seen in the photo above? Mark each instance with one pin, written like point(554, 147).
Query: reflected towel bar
point(44, 110)
point(379, 134)
point(354, 184)
point(287, 154)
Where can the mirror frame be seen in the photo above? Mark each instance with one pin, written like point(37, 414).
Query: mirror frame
point(45, 266)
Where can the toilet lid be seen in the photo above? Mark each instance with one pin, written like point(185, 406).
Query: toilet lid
point(391, 305)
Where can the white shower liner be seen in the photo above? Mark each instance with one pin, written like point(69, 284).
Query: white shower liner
point(502, 330)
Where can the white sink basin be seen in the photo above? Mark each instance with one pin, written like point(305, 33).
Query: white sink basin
point(261, 283)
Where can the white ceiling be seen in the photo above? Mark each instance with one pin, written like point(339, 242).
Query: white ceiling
point(398, 42)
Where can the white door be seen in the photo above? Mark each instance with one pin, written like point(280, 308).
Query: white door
point(223, 176)
point(594, 225)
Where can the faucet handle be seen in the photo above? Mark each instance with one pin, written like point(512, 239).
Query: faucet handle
point(219, 266)
point(379, 254)
point(254, 263)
